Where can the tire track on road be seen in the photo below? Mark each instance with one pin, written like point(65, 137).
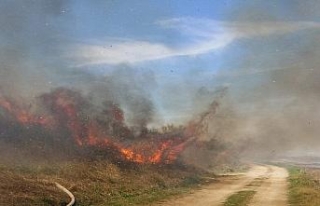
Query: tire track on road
point(216, 193)
point(273, 191)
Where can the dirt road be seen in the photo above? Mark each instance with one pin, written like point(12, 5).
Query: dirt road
point(273, 191)
point(269, 182)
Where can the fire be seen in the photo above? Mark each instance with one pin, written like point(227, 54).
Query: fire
point(6, 105)
point(129, 154)
point(68, 112)
point(157, 155)
point(23, 116)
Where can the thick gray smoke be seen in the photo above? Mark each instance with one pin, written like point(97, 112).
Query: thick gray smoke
point(275, 86)
point(272, 104)
point(131, 89)
point(28, 37)
point(33, 33)
point(285, 119)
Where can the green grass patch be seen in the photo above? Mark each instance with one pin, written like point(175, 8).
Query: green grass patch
point(303, 188)
point(241, 198)
point(145, 197)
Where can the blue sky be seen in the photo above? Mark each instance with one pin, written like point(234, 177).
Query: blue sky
point(171, 34)
point(186, 44)
point(189, 44)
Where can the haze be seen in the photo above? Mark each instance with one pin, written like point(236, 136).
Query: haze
point(164, 63)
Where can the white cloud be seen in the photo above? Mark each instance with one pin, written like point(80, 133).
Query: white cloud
point(120, 52)
point(205, 36)
point(206, 28)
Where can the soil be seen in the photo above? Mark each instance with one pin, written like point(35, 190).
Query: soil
point(268, 181)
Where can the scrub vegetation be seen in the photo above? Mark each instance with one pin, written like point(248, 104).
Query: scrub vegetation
point(304, 186)
point(95, 183)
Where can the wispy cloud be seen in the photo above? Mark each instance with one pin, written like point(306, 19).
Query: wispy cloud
point(205, 36)
point(206, 28)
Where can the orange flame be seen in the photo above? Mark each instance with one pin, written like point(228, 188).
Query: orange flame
point(66, 110)
point(23, 116)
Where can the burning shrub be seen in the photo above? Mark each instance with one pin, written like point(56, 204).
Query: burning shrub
point(71, 124)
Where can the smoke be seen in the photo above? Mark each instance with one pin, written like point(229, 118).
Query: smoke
point(286, 118)
point(130, 88)
point(270, 107)
point(33, 33)
point(28, 38)
point(39, 92)
point(33, 75)
point(275, 87)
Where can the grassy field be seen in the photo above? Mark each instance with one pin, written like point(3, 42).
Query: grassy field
point(304, 187)
point(94, 183)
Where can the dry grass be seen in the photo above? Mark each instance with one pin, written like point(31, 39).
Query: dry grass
point(93, 183)
point(304, 188)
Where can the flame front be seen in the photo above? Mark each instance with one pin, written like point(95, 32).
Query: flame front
point(23, 116)
point(67, 112)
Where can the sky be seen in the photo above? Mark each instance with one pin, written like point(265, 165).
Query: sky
point(188, 44)
point(265, 52)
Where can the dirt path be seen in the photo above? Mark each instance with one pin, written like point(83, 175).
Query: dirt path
point(216, 193)
point(271, 189)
